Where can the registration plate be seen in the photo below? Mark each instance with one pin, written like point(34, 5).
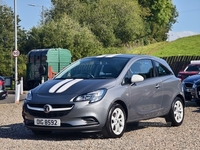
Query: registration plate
point(46, 122)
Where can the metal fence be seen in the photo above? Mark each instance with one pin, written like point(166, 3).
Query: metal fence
point(178, 63)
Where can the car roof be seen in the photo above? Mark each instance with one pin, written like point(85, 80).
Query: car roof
point(124, 56)
point(133, 56)
point(130, 56)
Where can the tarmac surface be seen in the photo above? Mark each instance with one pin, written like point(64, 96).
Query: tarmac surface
point(11, 97)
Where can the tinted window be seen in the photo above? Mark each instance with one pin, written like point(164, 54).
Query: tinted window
point(142, 67)
point(161, 69)
point(192, 68)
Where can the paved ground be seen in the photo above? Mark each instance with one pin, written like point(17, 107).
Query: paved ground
point(11, 97)
point(153, 134)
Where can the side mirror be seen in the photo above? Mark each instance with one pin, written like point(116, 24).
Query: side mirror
point(136, 78)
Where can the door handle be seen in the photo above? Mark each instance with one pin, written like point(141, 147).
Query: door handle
point(157, 86)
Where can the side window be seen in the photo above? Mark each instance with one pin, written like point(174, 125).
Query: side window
point(143, 67)
point(161, 69)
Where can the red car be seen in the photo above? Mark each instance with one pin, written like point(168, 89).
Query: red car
point(192, 69)
point(3, 92)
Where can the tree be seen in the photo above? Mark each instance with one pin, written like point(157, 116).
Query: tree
point(119, 22)
point(114, 23)
point(64, 33)
point(159, 16)
point(7, 41)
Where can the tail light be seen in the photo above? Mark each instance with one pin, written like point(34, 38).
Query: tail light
point(1, 83)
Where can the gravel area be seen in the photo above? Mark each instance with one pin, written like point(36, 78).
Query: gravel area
point(148, 134)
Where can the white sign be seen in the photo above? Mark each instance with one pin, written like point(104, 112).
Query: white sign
point(15, 53)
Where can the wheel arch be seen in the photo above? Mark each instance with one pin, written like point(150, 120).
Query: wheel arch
point(108, 131)
point(182, 98)
point(123, 105)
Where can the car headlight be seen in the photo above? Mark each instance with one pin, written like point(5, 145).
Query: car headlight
point(29, 96)
point(194, 86)
point(92, 96)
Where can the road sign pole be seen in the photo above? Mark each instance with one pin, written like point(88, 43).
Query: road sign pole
point(16, 75)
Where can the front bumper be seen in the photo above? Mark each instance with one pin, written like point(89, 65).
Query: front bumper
point(187, 87)
point(188, 96)
point(82, 117)
point(195, 93)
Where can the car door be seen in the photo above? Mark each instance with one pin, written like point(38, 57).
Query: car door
point(168, 85)
point(146, 96)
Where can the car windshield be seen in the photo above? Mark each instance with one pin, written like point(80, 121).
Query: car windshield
point(192, 68)
point(94, 67)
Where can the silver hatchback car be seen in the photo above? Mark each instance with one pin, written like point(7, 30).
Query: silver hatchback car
point(104, 93)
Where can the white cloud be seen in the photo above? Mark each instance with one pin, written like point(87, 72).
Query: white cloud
point(175, 35)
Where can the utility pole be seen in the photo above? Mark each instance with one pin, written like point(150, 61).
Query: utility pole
point(16, 74)
point(42, 14)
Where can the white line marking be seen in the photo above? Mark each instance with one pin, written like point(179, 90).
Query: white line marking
point(112, 55)
point(101, 56)
point(68, 85)
point(56, 86)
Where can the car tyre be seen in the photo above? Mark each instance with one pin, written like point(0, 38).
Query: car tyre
point(198, 102)
point(39, 132)
point(176, 114)
point(115, 123)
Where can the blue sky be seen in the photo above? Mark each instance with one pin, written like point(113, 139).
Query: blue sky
point(188, 20)
point(30, 15)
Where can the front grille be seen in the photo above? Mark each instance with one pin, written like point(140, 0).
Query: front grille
point(51, 114)
point(53, 105)
point(188, 85)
